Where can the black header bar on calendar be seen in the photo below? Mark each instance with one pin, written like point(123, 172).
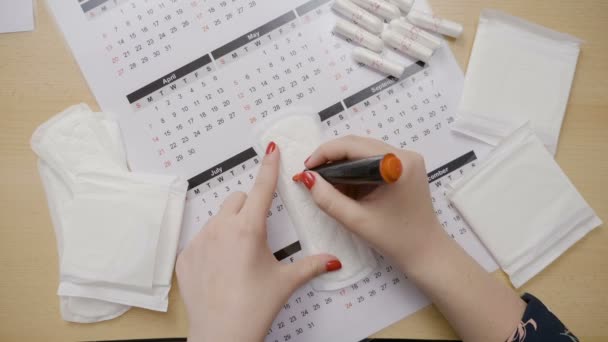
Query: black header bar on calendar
point(253, 35)
point(451, 166)
point(89, 5)
point(221, 168)
point(331, 111)
point(309, 6)
point(382, 85)
point(288, 251)
point(169, 78)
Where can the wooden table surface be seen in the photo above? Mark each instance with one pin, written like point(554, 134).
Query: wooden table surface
point(39, 77)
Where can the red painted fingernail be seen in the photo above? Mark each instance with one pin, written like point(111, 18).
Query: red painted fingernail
point(308, 179)
point(333, 265)
point(271, 147)
point(297, 177)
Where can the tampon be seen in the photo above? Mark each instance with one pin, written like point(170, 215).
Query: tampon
point(381, 8)
point(358, 15)
point(358, 35)
point(435, 24)
point(377, 62)
point(404, 5)
point(406, 45)
point(416, 34)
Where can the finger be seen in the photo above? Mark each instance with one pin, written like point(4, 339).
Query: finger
point(260, 197)
point(334, 203)
point(303, 270)
point(349, 147)
point(233, 203)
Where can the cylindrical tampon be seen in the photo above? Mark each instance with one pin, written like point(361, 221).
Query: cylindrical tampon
point(358, 35)
point(407, 45)
point(435, 24)
point(416, 34)
point(373, 170)
point(404, 5)
point(380, 7)
point(377, 62)
point(358, 15)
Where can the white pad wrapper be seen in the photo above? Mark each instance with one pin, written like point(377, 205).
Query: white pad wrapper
point(73, 309)
point(117, 231)
point(297, 136)
point(518, 72)
point(358, 35)
point(416, 34)
point(407, 45)
point(358, 15)
point(381, 8)
point(377, 62)
point(435, 23)
point(522, 206)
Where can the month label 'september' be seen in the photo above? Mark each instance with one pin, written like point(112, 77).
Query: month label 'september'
point(191, 80)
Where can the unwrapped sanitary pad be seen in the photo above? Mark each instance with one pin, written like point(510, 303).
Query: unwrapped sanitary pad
point(518, 72)
point(116, 230)
point(522, 206)
point(297, 136)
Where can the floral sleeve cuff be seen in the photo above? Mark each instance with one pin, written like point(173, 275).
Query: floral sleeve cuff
point(540, 325)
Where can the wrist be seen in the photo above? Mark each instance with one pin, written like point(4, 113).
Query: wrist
point(427, 245)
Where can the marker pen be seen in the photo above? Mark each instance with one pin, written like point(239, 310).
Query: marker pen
point(383, 169)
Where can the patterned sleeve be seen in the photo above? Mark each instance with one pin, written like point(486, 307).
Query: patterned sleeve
point(540, 325)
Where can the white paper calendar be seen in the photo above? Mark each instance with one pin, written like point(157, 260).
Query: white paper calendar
point(191, 79)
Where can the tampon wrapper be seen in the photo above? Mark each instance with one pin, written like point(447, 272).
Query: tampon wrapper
point(377, 62)
point(358, 15)
point(404, 5)
point(358, 35)
point(435, 24)
point(381, 8)
point(407, 45)
point(416, 34)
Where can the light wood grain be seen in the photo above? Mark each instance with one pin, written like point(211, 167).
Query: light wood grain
point(39, 77)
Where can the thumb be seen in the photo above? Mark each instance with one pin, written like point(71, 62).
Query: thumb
point(303, 270)
point(344, 209)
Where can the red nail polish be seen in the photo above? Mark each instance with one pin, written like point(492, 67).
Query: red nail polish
point(308, 179)
point(271, 147)
point(297, 177)
point(333, 265)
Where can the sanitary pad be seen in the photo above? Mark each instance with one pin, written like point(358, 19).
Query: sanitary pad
point(522, 206)
point(518, 72)
point(297, 137)
point(117, 230)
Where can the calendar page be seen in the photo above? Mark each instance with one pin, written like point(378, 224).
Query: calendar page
point(190, 80)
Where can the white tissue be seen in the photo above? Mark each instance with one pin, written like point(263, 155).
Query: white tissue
point(522, 206)
point(518, 72)
point(297, 136)
point(117, 231)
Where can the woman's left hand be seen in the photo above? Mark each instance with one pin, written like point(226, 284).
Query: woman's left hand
point(231, 283)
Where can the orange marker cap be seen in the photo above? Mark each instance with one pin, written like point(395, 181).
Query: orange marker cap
point(390, 168)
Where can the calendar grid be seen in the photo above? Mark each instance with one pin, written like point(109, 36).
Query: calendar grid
point(194, 78)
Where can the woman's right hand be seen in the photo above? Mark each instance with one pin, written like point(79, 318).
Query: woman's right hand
point(397, 219)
